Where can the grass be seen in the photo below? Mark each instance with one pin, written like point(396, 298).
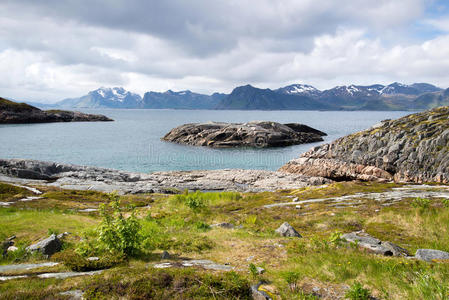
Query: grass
point(294, 267)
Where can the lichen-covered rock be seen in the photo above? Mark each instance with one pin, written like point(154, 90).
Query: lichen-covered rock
point(372, 244)
point(48, 246)
point(431, 254)
point(287, 230)
point(259, 134)
point(414, 148)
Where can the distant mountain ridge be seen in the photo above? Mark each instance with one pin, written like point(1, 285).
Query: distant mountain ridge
point(395, 96)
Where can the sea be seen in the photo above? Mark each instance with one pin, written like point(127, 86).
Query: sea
point(133, 141)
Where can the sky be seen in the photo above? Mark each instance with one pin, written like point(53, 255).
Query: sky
point(56, 49)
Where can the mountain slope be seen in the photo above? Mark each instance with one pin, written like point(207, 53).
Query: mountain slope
point(116, 97)
point(180, 100)
point(248, 98)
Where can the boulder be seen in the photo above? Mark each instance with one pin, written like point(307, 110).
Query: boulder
point(431, 254)
point(165, 255)
point(413, 148)
point(48, 246)
point(287, 230)
point(365, 241)
point(259, 134)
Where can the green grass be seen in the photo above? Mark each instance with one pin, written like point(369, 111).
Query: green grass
point(317, 259)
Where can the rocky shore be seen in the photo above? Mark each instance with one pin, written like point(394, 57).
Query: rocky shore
point(260, 134)
point(21, 113)
point(108, 180)
point(414, 148)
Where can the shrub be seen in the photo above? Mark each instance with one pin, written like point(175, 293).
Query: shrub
point(446, 202)
point(422, 203)
point(358, 292)
point(116, 232)
point(336, 238)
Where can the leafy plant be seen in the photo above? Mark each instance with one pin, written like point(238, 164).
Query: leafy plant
point(336, 238)
point(253, 270)
point(358, 292)
point(446, 202)
point(116, 232)
point(422, 203)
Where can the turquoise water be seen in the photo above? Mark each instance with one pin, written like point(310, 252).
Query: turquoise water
point(133, 143)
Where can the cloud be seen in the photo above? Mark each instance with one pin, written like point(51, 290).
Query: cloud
point(55, 49)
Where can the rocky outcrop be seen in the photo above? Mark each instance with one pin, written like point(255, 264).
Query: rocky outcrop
point(371, 244)
point(17, 113)
point(108, 180)
point(48, 246)
point(431, 254)
point(260, 134)
point(287, 230)
point(414, 148)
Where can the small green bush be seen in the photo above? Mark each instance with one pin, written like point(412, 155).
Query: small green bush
point(422, 203)
point(116, 232)
point(253, 270)
point(358, 292)
point(446, 202)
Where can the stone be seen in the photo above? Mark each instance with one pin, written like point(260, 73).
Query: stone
point(48, 246)
point(364, 240)
point(12, 249)
point(259, 134)
point(63, 235)
point(223, 225)
point(431, 254)
point(165, 255)
point(258, 294)
point(73, 295)
point(260, 270)
point(93, 258)
point(287, 230)
point(385, 152)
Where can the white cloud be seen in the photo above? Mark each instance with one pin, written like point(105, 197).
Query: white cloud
point(213, 46)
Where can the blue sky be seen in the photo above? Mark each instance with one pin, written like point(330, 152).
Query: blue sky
point(55, 49)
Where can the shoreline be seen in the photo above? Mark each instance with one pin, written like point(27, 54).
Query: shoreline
point(68, 176)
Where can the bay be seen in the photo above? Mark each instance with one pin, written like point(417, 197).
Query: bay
point(133, 142)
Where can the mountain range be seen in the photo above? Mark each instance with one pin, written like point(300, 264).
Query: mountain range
point(395, 96)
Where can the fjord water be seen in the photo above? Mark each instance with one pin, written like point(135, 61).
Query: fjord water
point(133, 142)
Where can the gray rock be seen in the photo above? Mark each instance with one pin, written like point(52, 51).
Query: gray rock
point(63, 235)
point(374, 245)
point(93, 258)
point(409, 149)
point(73, 295)
point(223, 225)
point(431, 254)
point(165, 255)
point(259, 294)
point(287, 230)
point(48, 246)
point(260, 270)
point(260, 134)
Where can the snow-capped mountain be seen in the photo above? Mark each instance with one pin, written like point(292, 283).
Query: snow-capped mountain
point(300, 89)
point(116, 97)
point(404, 89)
point(181, 100)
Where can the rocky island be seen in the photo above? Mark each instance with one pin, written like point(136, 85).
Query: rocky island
point(21, 113)
point(260, 134)
point(410, 149)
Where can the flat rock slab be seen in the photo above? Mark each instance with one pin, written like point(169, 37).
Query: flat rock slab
point(108, 180)
point(203, 263)
point(20, 267)
point(431, 254)
point(394, 195)
point(259, 134)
